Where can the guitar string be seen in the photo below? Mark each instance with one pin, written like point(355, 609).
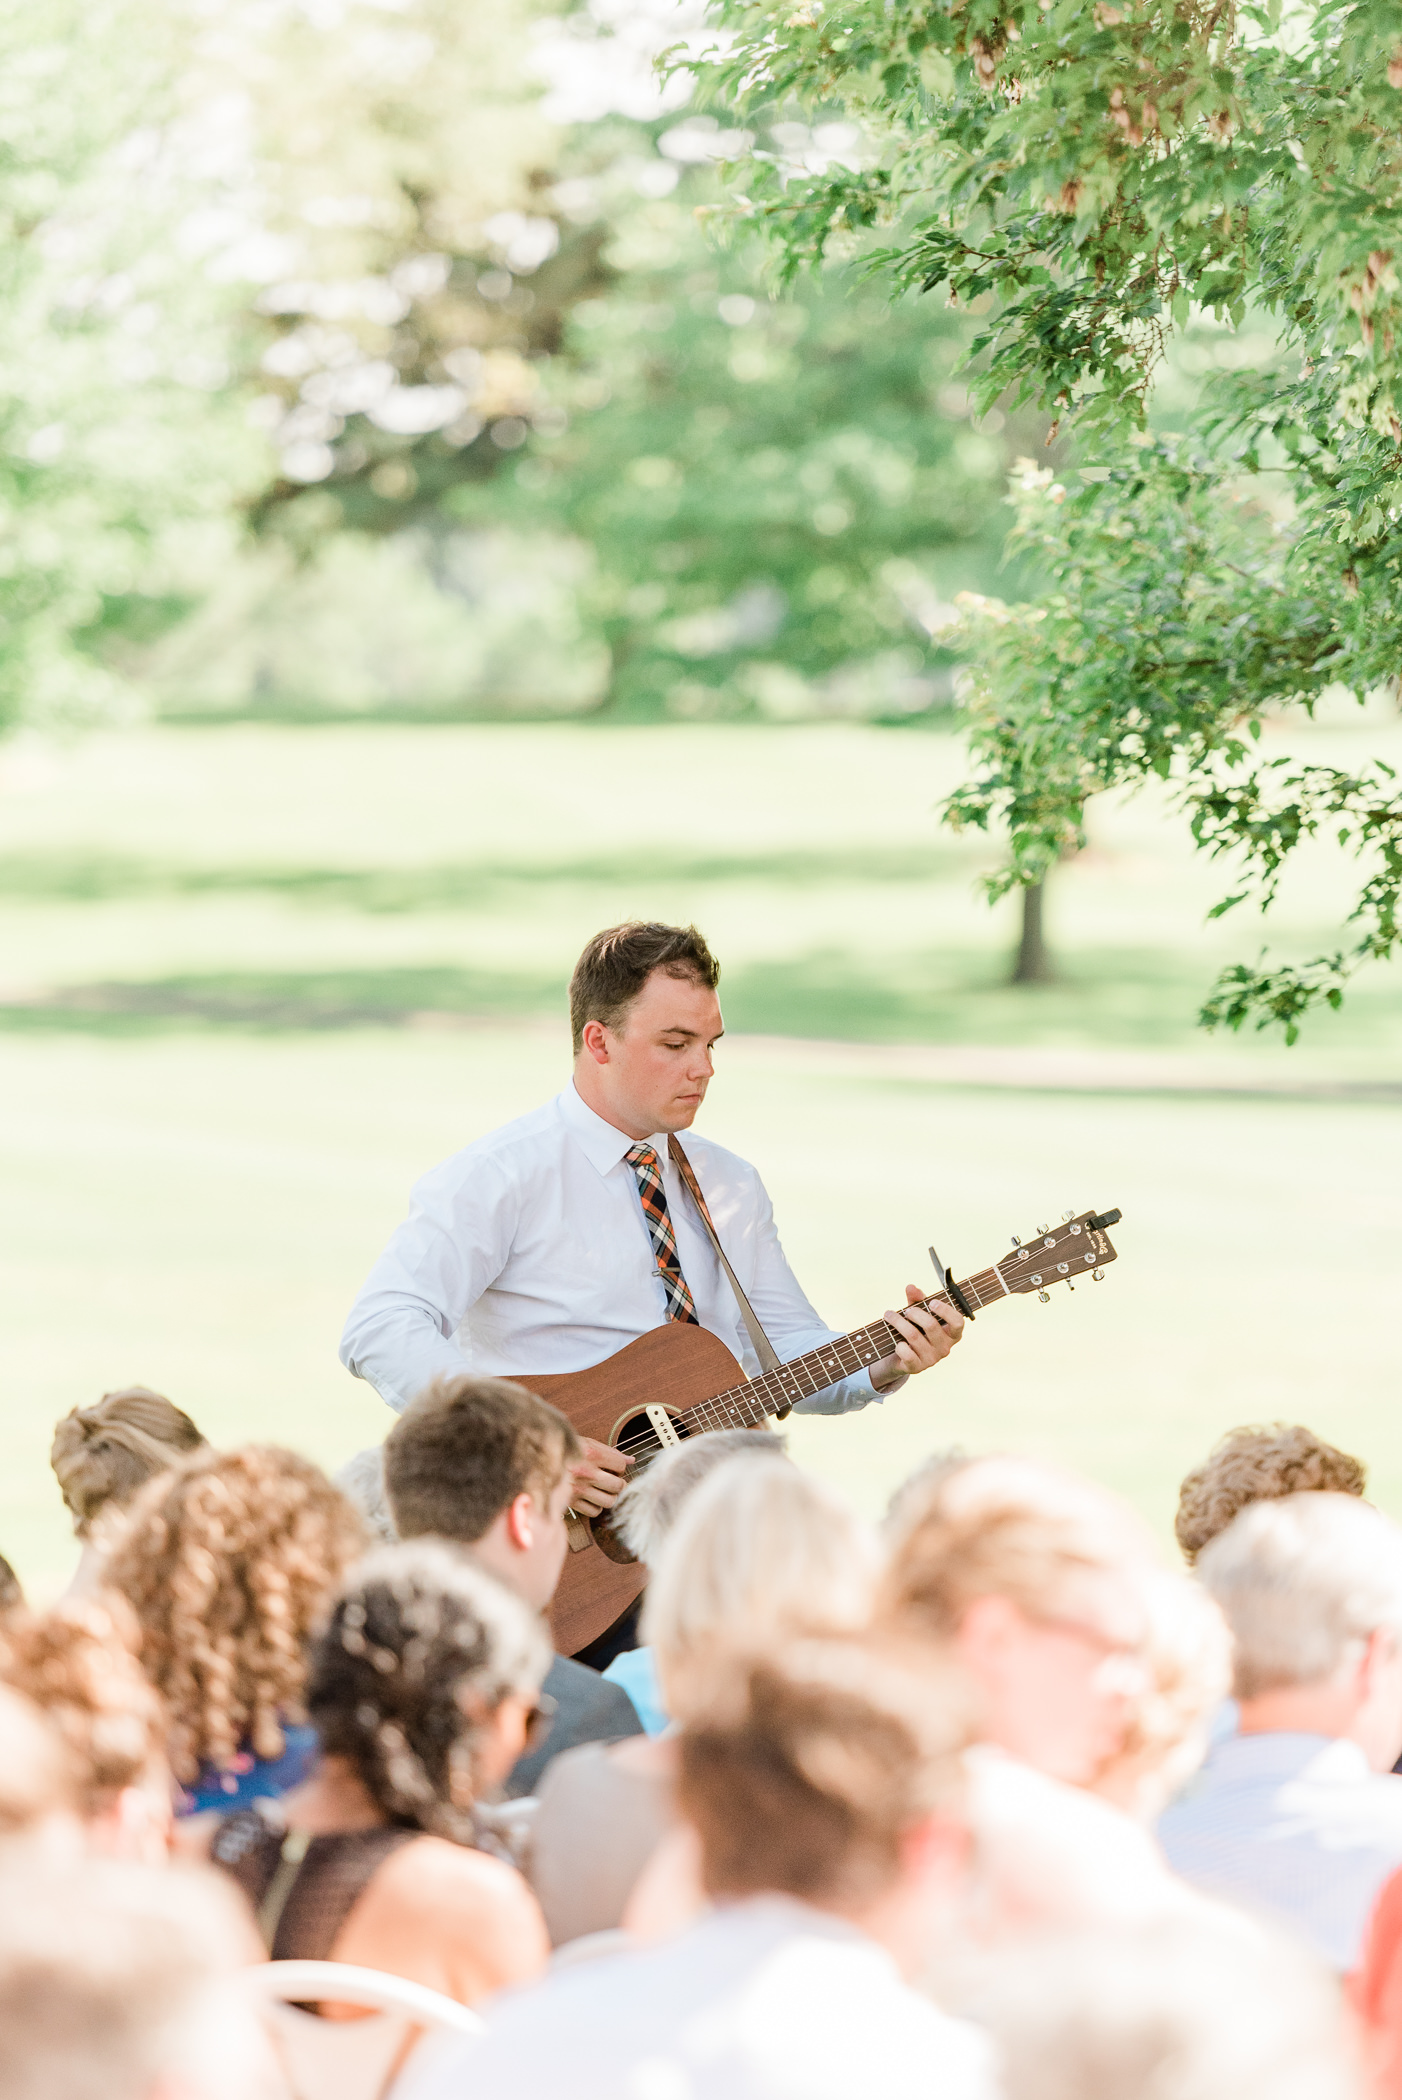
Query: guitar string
point(723, 1410)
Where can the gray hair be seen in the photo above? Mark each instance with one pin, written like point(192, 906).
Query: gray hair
point(648, 1507)
point(362, 1481)
point(1299, 1580)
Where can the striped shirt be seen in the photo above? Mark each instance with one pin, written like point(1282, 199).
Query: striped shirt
point(1297, 1828)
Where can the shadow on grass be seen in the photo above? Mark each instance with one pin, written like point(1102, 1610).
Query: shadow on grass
point(55, 878)
point(1130, 1000)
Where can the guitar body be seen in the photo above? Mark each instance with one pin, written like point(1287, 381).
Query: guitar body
point(675, 1367)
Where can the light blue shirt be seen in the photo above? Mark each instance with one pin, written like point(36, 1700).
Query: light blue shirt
point(1297, 1828)
point(527, 1252)
point(635, 1671)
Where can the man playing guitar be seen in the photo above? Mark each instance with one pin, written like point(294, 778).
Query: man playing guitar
point(549, 1244)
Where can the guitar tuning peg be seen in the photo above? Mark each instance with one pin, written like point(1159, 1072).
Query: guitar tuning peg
point(1097, 1276)
point(1016, 1241)
point(1045, 1297)
point(1067, 1216)
point(1042, 1228)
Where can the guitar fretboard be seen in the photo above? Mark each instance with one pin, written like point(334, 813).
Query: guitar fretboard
point(774, 1392)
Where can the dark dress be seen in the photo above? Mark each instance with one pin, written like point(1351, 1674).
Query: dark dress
point(301, 1888)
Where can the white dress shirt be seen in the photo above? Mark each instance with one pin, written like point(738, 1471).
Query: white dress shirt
point(528, 1251)
point(764, 1999)
point(1291, 1826)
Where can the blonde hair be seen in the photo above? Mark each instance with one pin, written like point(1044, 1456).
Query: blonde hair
point(760, 1554)
point(105, 1452)
point(36, 1780)
point(78, 1664)
point(1259, 1465)
point(230, 1564)
point(1300, 1579)
point(1002, 1527)
point(1187, 1653)
point(650, 1504)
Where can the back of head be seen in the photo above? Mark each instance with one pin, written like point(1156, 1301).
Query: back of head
point(230, 1564)
point(1002, 1527)
point(1299, 1580)
point(1259, 1465)
point(761, 1553)
point(1190, 2008)
point(115, 1984)
point(464, 1449)
point(617, 963)
point(1187, 1653)
point(78, 1664)
point(421, 1649)
point(104, 1453)
point(650, 1504)
point(804, 1770)
point(36, 1777)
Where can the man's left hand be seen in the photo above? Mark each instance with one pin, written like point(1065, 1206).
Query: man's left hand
point(928, 1333)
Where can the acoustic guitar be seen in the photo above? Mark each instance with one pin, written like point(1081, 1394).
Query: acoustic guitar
point(679, 1381)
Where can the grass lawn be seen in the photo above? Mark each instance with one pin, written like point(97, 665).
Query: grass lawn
point(254, 980)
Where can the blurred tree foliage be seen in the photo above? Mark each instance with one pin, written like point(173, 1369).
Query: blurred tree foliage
point(115, 437)
point(1091, 178)
point(774, 492)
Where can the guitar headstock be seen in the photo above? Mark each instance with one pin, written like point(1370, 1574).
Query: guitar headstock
point(1078, 1246)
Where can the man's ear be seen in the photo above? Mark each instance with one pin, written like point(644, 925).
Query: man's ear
point(595, 1043)
point(522, 1517)
point(1379, 1650)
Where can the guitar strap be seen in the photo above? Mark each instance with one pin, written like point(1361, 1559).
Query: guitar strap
point(759, 1341)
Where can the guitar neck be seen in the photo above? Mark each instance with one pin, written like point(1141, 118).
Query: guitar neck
point(775, 1392)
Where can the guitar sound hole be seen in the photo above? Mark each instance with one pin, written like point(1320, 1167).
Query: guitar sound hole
point(635, 1435)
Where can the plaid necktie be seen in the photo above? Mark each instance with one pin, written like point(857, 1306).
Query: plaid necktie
point(648, 1169)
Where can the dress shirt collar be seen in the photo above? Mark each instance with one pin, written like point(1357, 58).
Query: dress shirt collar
point(602, 1145)
point(1281, 1754)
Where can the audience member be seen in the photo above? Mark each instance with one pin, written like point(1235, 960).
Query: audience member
point(230, 1564)
point(1297, 1816)
point(1034, 1581)
point(362, 1481)
point(1259, 1465)
point(760, 1555)
point(11, 1593)
point(423, 1690)
point(78, 1664)
point(485, 1464)
point(824, 1788)
point(103, 1454)
point(1182, 2009)
point(37, 1794)
point(1188, 1663)
point(644, 1514)
point(118, 1982)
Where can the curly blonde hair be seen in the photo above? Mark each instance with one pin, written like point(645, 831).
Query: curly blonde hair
point(78, 1663)
point(105, 1453)
point(230, 1564)
point(1259, 1464)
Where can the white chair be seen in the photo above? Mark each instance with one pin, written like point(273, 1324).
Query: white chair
point(351, 2059)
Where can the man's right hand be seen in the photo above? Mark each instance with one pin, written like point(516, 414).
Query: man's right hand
point(600, 1476)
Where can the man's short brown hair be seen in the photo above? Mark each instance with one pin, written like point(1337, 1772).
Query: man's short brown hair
point(619, 961)
point(804, 1771)
point(465, 1449)
point(1259, 1464)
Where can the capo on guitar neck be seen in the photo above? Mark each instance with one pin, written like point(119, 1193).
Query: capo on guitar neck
point(950, 1288)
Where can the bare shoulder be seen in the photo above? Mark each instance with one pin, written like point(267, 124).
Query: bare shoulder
point(452, 1883)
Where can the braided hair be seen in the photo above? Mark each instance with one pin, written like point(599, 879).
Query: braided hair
point(102, 1454)
point(421, 1650)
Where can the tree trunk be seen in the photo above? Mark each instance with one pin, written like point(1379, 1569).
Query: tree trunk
point(1033, 965)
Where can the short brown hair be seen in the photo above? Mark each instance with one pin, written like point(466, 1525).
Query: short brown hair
point(1259, 1464)
point(618, 962)
point(803, 1772)
point(105, 1452)
point(465, 1449)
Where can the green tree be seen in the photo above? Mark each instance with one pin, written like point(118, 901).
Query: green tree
point(1090, 180)
point(777, 494)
